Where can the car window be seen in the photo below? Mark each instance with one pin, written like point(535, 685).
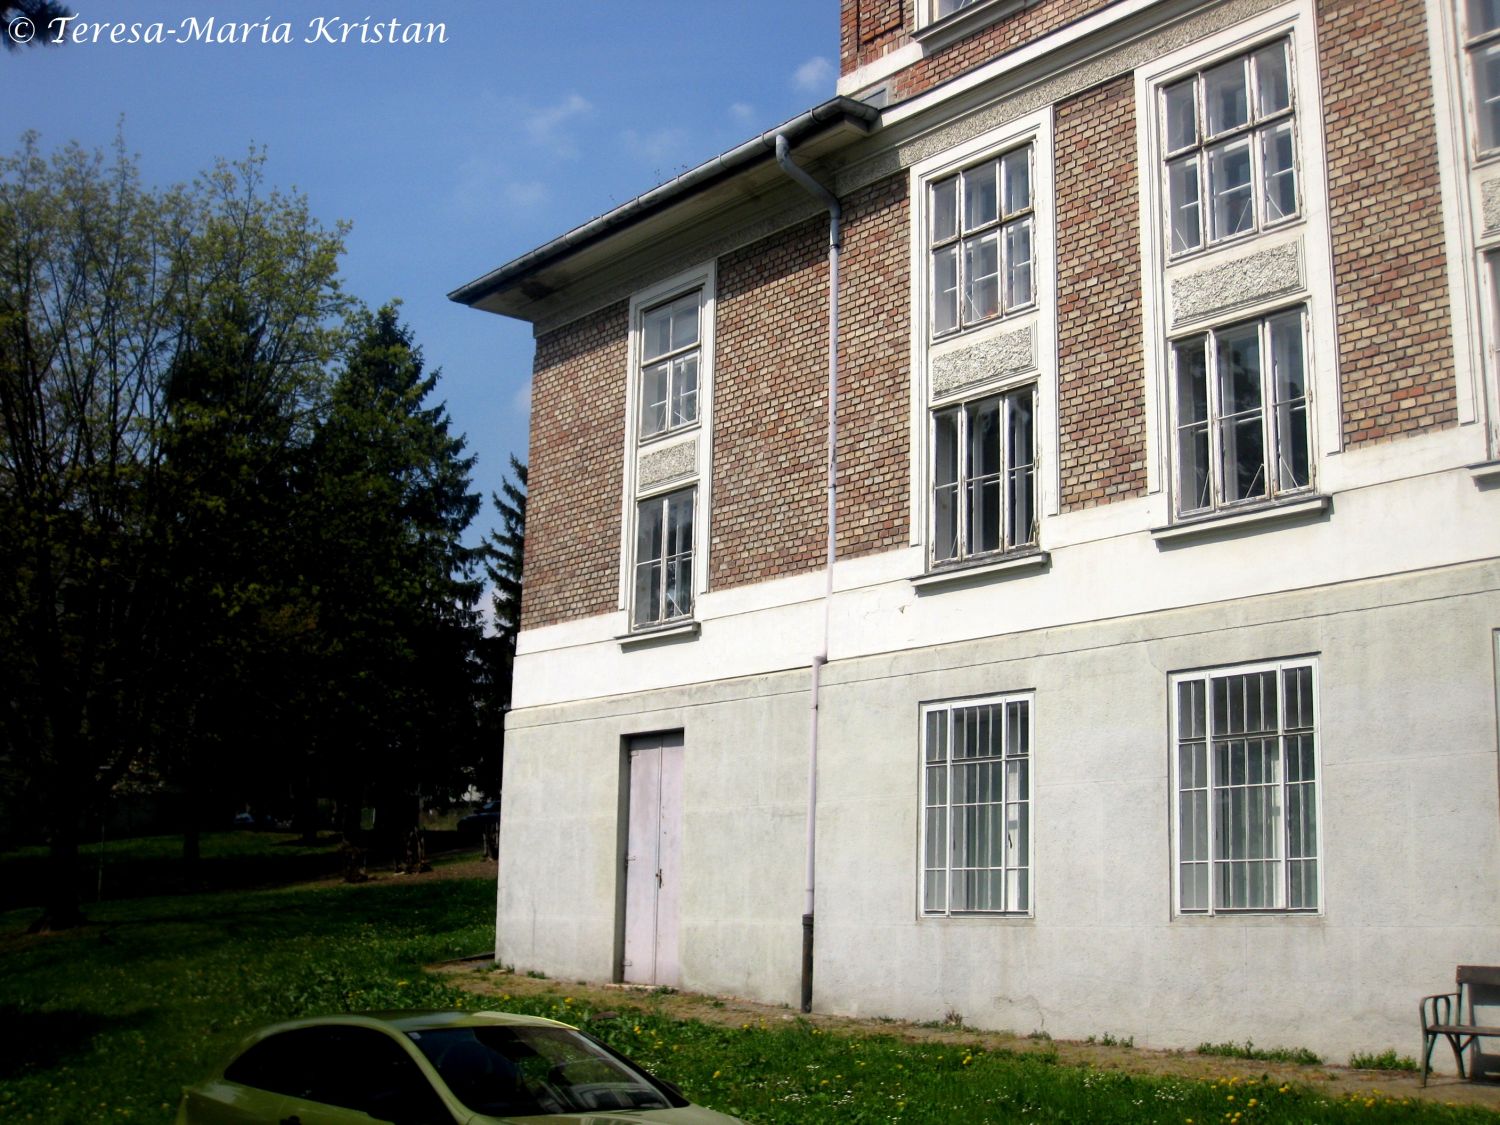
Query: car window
point(355, 1068)
point(523, 1071)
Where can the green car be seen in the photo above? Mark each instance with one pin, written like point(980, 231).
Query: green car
point(433, 1068)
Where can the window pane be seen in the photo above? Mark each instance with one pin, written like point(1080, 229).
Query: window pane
point(1018, 264)
point(1280, 173)
point(1016, 172)
point(656, 332)
point(1487, 93)
point(685, 389)
point(945, 209)
point(1232, 202)
point(685, 322)
point(981, 198)
point(1273, 91)
point(678, 592)
point(1194, 480)
point(1225, 97)
point(1241, 426)
point(1180, 105)
point(655, 382)
point(1182, 204)
point(945, 290)
point(1293, 455)
point(945, 450)
point(1020, 471)
point(1484, 15)
point(981, 278)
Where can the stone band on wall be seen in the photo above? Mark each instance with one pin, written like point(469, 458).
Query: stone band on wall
point(1255, 277)
point(999, 355)
point(667, 463)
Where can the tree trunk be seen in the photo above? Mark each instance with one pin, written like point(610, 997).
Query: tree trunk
point(60, 909)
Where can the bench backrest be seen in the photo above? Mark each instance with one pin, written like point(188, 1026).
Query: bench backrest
point(1479, 974)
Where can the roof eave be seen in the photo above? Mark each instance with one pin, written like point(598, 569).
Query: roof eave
point(489, 291)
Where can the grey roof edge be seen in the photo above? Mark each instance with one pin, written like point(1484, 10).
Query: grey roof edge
point(826, 115)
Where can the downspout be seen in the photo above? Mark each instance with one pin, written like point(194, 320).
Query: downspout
point(820, 658)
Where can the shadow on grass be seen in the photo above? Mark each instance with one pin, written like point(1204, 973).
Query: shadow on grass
point(42, 1040)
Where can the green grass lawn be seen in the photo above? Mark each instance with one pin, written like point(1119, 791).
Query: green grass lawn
point(107, 1023)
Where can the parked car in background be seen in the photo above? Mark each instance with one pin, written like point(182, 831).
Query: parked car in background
point(432, 1068)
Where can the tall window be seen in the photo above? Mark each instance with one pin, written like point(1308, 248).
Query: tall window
point(1484, 60)
point(981, 242)
point(1241, 413)
point(669, 364)
point(976, 850)
point(983, 476)
point(1247, 810)
point(664, 558)
point(1229, 135)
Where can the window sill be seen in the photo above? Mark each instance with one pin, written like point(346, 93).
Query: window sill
point(1006, 567)
point(1234, 522)
point(1257, 917)
point(980, 916)
point(658, 634)
point(965, 21)
point(1486, 474)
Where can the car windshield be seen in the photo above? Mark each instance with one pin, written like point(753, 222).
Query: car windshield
point(525, 1071)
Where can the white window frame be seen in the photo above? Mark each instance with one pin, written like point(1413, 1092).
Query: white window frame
point(1307, 234)
point(1253, 134)
point(665, 558)
point(1038, 319)
point(1204, 776)
point(1000, 228)
point(672, 357)
point(698, 434)
point(1274, 417)
point(966, 481)
point(1021, 840)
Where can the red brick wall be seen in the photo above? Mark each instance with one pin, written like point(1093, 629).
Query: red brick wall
point(1386, 222)
point(870, 29)
point(770, 401)
point(1100, 366)
point(574, 470)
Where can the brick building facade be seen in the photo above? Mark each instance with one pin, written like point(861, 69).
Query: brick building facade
point(1161, 681)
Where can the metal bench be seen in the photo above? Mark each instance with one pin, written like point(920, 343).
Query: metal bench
point(1443, 1016)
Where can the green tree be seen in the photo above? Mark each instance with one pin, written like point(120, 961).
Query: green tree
point(126, 316)
point(504, 566)
point(398, 627)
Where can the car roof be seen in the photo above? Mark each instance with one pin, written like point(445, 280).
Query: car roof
point(414, 1020)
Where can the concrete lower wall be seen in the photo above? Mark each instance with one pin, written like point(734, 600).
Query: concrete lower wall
point(1410, 827)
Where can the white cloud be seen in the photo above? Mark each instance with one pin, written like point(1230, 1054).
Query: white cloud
point(660, 146)
point(520, 402)
point(741, 113)
point(525, 193)
point(544, 125)
point(815, 76)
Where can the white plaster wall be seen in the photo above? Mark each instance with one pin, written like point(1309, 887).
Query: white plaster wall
point(1411, 829)
point(744, 803)
point(1105, 564)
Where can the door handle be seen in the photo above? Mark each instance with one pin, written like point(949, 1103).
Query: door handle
point(658, 878)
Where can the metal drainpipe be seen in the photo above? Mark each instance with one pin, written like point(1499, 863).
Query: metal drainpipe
point(820, 658)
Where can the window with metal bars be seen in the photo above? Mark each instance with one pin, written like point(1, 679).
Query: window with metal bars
point(976, 777)
point(981, 242)
point(664, 558)
point(1230, 149)
point(1246, 769)
point(984, 476)
point(1240, 402)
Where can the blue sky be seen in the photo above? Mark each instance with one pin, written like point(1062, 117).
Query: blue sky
point(448, 158)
